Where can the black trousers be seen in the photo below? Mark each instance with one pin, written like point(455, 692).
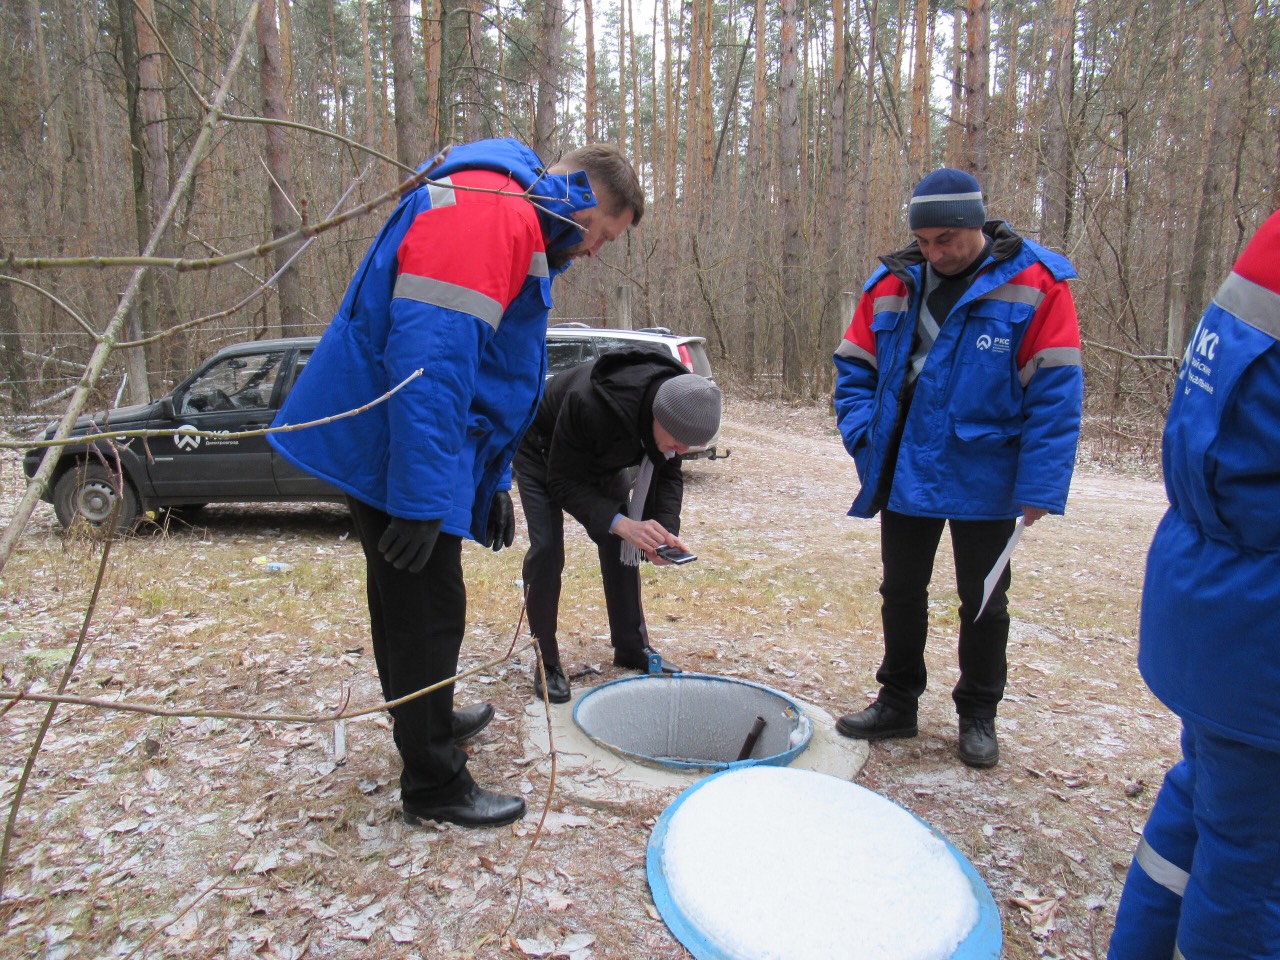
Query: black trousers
point(908, 546)
point(544, 566)
point(417, 622)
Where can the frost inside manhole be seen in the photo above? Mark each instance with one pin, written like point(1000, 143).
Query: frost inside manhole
point(694, 721)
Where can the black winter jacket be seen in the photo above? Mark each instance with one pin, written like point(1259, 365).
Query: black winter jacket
point(594, 422)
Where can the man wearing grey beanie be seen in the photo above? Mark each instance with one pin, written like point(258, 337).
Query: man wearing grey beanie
point(597, 421)
point(958, 395)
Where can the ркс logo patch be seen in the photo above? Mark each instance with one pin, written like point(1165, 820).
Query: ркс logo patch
point(185, 439)
point(984, 342)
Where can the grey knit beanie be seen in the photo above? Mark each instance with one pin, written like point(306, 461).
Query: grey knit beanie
point(947, 198)
point(687, 406)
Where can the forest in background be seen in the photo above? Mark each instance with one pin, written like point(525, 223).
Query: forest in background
point(778, 143)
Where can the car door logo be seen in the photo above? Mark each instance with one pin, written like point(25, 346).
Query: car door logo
point(185, 438)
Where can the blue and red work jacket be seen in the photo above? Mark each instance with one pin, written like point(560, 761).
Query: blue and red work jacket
point(455, 284)
point(994, 419)
point(1211, 597)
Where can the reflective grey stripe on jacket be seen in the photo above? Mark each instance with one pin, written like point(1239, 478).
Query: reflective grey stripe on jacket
point(1164, 872)
point(1254, 304)
point(452, 296)
point(1049, 357)
point(852, 350)
point(442, 193)
point(1015, 293)
point(891, 304)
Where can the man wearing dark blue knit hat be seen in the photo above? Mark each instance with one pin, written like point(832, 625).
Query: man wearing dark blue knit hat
point(958, 395)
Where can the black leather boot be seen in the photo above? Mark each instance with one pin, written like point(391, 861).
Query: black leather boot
point(978, 747)
point(878, 722)
point(477, 807)
point(469, 721)
point(557, 684)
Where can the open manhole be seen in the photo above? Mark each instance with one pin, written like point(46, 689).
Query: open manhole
point(694, 721)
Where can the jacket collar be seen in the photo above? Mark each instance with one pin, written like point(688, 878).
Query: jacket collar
point(1006, 244)
point(557, 196)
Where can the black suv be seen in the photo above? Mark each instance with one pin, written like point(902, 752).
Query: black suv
point(238, 389)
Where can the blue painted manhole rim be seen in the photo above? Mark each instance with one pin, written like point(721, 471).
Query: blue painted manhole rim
point(782, 759)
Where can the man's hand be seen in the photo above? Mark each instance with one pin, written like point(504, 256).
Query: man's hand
point(502, 522)
point(1032, 514)
point(646, 536)
point(408, 543)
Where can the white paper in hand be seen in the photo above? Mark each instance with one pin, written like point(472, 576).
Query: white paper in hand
point(992, 578)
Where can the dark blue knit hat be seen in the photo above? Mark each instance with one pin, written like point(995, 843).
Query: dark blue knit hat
point(947, 198)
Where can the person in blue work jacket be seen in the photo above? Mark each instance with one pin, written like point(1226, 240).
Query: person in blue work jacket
point(1205, 881)
point(958, 395)
point(449, 310)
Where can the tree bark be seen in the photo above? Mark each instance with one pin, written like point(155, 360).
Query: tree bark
point(366, 54)
point(789, 207)
point(838, 181)
point(141, 319)
point(755, 202)
point(279, 168)
point(1224, 137)
point(407, 122)
point(622, 76)
point(976, 86)
point(919, 142)
point(432, 44)
point(546, 141)
point(13, 360)
point(589, 92)
point(955, 119)
point(1058, 150)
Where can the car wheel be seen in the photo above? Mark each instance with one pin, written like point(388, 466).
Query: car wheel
point(87, 493)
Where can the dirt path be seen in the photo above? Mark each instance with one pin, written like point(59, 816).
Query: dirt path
point(230, 838)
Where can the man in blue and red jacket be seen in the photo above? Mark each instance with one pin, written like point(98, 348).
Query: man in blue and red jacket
point(457, 285)
point(1205, 881)
point(958, 394)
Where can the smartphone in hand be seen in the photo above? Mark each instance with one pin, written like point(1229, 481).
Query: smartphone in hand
point(675, 554)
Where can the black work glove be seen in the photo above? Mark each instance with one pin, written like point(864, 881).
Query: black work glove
point(502, 522)
point(408, 543)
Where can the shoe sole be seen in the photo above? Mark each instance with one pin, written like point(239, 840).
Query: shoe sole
point(537, 695)
point(979, 763)
point(666, 668)
point(899, 733)
point(413, 820)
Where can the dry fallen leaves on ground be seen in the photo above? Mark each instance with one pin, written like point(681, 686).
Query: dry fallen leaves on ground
point(207, 837)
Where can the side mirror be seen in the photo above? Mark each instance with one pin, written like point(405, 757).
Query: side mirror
point(167, 409)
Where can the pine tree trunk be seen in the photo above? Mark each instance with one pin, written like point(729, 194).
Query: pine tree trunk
point(919, 160)
point(1059, 154)
point(590, 92)
point(545, 139)
point(976, 87)
point(432, 43)
point(141, 319)
point(407, 122)
point(789, 207)
point(279, 167)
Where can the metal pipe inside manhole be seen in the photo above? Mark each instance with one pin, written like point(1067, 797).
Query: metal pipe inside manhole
point(694, 721)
